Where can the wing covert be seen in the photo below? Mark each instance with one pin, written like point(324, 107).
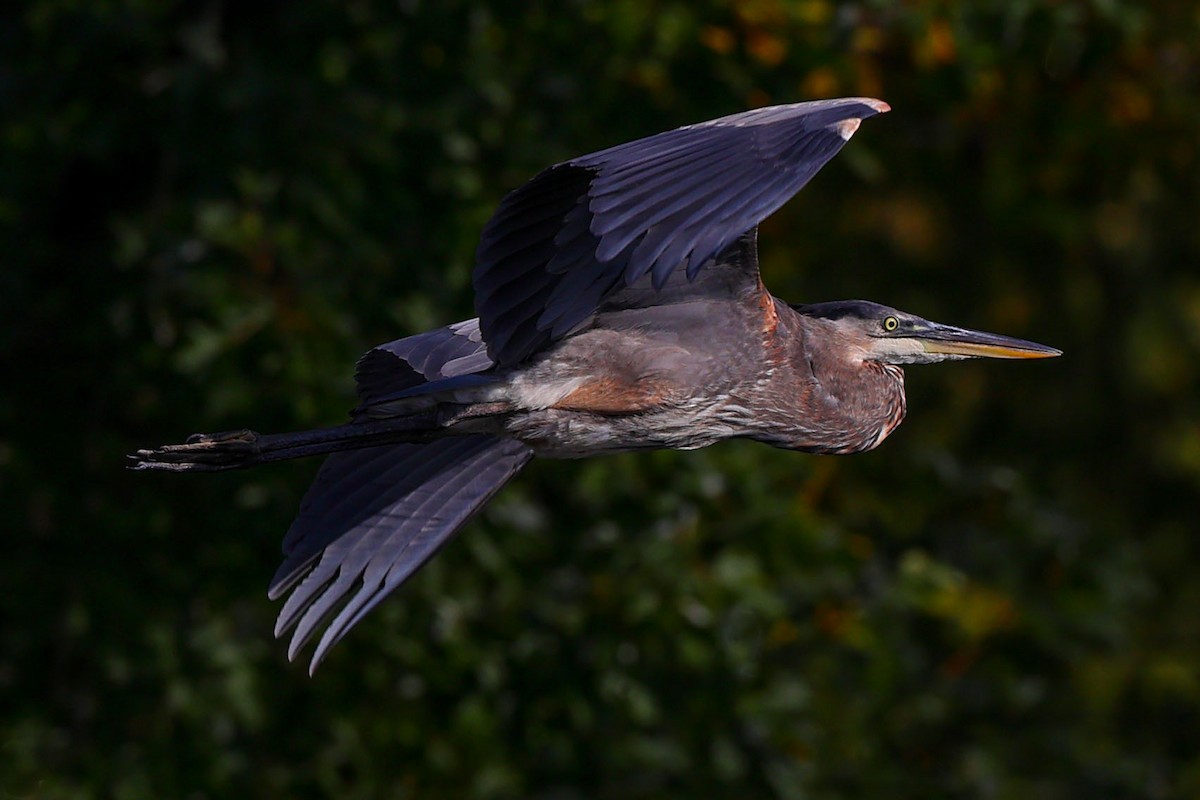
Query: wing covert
point(427, 359)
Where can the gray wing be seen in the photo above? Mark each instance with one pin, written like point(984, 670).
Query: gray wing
point(557, 247)
point(405, 366)
point(372, 518)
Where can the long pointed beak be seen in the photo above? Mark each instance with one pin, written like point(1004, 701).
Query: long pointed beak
point(966, 343)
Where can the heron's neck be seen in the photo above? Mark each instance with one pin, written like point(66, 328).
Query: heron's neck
point(839, 402)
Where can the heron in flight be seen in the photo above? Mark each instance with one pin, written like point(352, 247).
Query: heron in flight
point(619, 308)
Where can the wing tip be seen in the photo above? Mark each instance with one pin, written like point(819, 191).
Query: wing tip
point(846, 128)
point(878, 106)
point(875, 105)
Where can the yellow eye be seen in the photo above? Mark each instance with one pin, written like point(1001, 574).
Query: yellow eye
point(890, 324)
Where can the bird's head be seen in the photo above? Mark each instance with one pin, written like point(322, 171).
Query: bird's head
point(874, 332)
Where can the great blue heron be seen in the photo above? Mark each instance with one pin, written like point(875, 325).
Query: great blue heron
point(620, 308)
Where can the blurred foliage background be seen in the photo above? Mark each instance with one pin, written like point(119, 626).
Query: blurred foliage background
point(208, 211)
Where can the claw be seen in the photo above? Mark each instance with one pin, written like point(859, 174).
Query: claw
point(202, 452)
point(223, 438)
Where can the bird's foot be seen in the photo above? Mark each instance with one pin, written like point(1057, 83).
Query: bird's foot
point(203, 452)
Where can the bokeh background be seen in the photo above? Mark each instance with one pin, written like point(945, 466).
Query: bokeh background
point(209, 210)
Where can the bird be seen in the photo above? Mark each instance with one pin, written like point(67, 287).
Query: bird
point(619, 308)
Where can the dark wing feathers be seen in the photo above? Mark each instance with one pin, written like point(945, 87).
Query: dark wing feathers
point(730, 276)
point(403, 367)
point(646, 207)
point(518, 244)
point(389, 508)
point(373, 534)
point(372, 518)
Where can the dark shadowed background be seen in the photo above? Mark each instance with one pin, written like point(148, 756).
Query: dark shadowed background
point(209, 210)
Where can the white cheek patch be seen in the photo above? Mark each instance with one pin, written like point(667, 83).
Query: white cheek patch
point(900, 351)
